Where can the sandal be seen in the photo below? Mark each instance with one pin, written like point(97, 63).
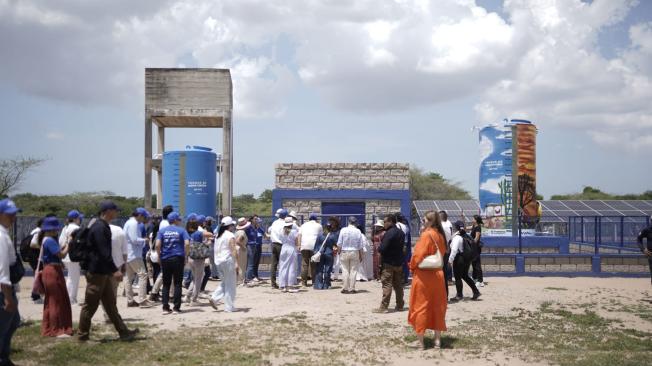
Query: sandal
point(415, 345)
point(437, 344)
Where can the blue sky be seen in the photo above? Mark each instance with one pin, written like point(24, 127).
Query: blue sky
point(363, 81)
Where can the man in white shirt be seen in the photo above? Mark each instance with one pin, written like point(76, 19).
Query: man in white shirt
point(308, 234)
point(119, 251)
point(135, 265)
point(275, 233)
point(448, 233)
point(459, 264)
point(9, 316)
point(165, 223)
point(350, 245)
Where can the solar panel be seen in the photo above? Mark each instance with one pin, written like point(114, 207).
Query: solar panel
point(610, 213)
point(639, 205)
point(551, 219)
point(587, 213)
point(618, 205)
point(565, 213)
point(633, 213)
point(424, 205)
point(576, 205)
point(553, 205)
point(597, 205)
point(447, 205)
point(469, 205)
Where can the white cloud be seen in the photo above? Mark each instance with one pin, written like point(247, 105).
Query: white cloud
point(491, 185)
point(54, 135)
point(541, 60)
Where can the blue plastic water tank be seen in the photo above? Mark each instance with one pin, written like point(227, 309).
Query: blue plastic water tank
point(189, 180)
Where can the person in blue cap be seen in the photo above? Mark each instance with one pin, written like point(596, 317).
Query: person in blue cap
point(135, 266)
point(101, 271)
point(73, 222)
point(9, 316)
point(57, 313)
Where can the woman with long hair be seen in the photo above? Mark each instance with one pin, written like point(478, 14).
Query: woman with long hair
point(226, 259)
point(325, 244)
point(476, 235)
point(428, 300)
point(57, 313)
point(377, 238)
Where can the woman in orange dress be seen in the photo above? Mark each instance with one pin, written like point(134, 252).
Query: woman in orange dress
point(428, 300)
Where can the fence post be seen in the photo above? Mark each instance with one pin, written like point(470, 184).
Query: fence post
point(595, 234)
point(582, 225)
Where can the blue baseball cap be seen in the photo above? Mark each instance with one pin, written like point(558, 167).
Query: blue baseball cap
point(143, 212)
point(173, 216)
point(50, 224)
point(282, 213)
point(312, 216)
point(8, 207)
point(458, 225)
point(192, 216)
point(201, 219)
point(108, 205)
point(74, 214)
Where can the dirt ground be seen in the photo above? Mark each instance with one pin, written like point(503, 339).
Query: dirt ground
point(348, 315)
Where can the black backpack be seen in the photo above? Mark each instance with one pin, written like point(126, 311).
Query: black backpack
point(470, 252)
point(78, 245)
point(26, 252)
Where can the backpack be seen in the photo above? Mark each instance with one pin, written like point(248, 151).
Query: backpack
point(199, 250)
point(78, 244)
point(26, 252)
point(470, 252)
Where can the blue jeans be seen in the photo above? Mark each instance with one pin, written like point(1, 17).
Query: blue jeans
point(322, 279)
point(253, 260)
point(9, 322)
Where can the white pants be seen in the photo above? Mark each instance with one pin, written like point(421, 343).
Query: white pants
point(366, 271)
point(336, 267)
point(136, 268)
point(197, 269)
point(72, 282)
point(350, 262)
point(287, 266)
point(226, 289)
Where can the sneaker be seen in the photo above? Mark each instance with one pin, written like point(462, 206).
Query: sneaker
point(455, 299)
point(62, 336)
point(479, 284)
point(129, 335)
point(145, 304)
point(186, 299)
point(476, 296)
point(380, 311)
point(82, 338)
point(176, 311)
point(293, 290)
point(132, 304)
point(153, 297)
point(195, 303)
point(256, 279)
point(213, 303)
point(167, 311)
point(353, 292)
point(285, 289)
point(344, 291)
point(399, 308)
point(275, 286)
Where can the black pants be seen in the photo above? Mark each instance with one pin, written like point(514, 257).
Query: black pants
point(477, 268)
point(649, 260)
point(276, 253)
point(461, 272)
point(448, 272)
point(172, 271)
point(33, 264)
point(207, 275)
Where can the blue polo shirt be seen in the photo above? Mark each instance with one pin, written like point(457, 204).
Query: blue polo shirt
point(197, 236)
point(255, 236)
point(51, 250)
point(172, 241)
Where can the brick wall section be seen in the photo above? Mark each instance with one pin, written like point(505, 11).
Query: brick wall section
point(372, 176)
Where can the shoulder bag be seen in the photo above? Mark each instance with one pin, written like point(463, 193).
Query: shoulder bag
point(317, 256)
point(432, 262)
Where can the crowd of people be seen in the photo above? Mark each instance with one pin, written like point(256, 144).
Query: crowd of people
point(157, 257)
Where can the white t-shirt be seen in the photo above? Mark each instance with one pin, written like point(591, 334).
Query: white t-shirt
point(119, 247)
point(448, 230)
point(163, 224)
point(351, 238)
point(64, 237)
point(7, 256)
point(222, 250)
point(310, 231)
point(457, 247)
point(276, 230)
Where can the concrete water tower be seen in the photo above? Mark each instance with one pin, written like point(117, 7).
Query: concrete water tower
point(188, 98)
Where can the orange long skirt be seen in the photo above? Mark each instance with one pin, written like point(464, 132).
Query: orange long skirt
point(428, 301)
point(57, 313)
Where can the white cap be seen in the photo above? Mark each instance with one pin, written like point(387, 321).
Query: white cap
point(293, 214)
point(227, 221)
point(288, 222)
point(379, 223)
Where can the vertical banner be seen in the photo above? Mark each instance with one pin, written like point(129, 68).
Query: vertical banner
point(495, 183)
point(525, 164)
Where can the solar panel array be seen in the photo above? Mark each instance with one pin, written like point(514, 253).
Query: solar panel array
point(552, 211)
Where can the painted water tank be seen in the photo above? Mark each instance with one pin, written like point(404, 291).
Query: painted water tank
point(495, 169)
point(189, 180)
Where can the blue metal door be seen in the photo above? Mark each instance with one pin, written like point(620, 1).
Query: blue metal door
point(343, 210)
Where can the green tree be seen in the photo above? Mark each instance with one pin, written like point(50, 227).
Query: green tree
point(592, 193)
point(433, 186)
